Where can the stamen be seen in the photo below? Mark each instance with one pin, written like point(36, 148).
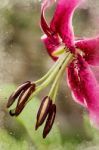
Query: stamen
point(50, 120)
point(56, 91)
point(51, 77)
point(49, 72)
point(43, 111)
point(15, 94)
point(23, 99)
point(26, 91)
point(22, 93)
point(53, 91)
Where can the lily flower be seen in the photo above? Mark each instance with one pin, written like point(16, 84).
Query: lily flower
point(71, 56)
point(80, 78)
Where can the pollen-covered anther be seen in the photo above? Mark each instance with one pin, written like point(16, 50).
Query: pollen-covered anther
point(43, 111)
point(50, 120)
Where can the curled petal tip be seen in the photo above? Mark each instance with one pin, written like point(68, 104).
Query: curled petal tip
point(47, 3)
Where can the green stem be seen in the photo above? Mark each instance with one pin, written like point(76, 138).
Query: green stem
point(50, 71)
point(53, 91)
point(50, 78)
point(56, 73)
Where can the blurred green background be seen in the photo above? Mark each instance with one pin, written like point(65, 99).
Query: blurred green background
point(23, 57)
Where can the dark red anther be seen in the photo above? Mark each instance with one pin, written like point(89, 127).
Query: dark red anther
point(23, 98)
point(18, 91)
point(50, 120)
point(43, 111)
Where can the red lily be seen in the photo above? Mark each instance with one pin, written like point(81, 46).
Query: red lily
point(75, 55)
point(82, 82)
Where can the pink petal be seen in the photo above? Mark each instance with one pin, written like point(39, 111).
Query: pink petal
point(91, 49)
point(50, 41)
point(51, 45)
point(62, 20)
point(74, 84)
point(46, 3)
point(44, 25)
point(90, 90)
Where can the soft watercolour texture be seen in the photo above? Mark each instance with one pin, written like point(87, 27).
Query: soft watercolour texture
point(49, 75)
point(86, 52)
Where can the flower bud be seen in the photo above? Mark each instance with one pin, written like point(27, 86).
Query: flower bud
point(50, 120)
point(18, 91)
point(43, 111)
